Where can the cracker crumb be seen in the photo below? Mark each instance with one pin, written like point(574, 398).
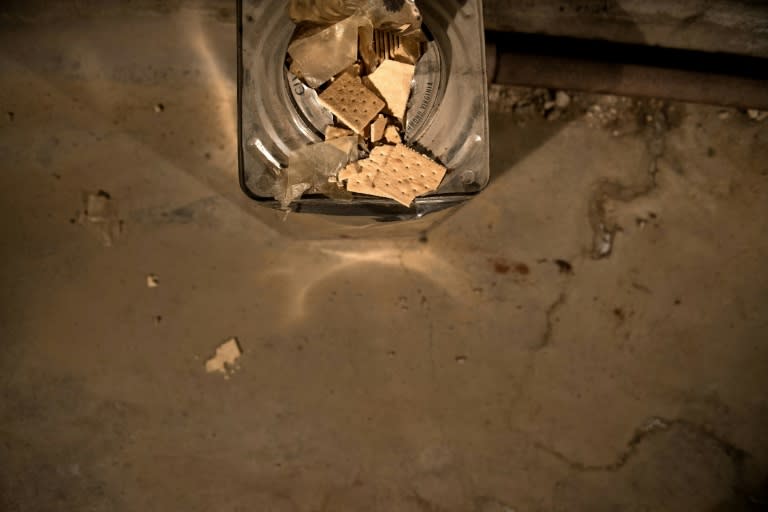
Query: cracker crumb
point(226, 355)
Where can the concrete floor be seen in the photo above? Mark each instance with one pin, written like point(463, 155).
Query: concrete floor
point(470, 372)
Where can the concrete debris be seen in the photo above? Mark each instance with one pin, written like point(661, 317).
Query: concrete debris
point(603, 243)
point(226, 355)
point(527, 103)
point(757, 115)
point(99, 215)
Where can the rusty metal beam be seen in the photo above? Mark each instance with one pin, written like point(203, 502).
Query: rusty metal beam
point(629, 70)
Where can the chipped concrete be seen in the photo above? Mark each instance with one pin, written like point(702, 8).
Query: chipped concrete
point(630, 382)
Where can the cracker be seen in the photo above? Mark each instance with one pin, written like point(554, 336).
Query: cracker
point(389, 45)
point(396, 172)
point(367, 50)
point(350, 171)
point(408, 50)
point(347, 145)
point(351, 102)
point(392, 82)
point(392, 136)
point(354, 70)
point(334, 132)
point(377, 129)
point(226, 355)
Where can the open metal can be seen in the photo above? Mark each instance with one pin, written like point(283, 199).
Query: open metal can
point(446, 118)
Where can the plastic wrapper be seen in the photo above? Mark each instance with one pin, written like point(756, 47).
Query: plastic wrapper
point(99, 215)
point(322, 11)
point(311, 167)
point(320, 55)
point(398, 15)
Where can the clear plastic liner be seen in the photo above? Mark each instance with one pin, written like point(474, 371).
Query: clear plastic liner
point(320, 55)
point(311, 167)
point(399, 15)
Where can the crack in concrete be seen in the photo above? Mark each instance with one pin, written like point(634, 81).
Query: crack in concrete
point(431, 324)
point(606, 190)
point(647, 431)
point(550, 321)
point(430, 335)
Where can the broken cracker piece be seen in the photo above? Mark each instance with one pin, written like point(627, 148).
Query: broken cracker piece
point(391, 135)
point(351, 102)
point(347, 145)
point(389, 45)
point(392, 81)
point(353, 70)
point(226, 355)
point(153, 281)
point(334, 132)
point(396, 172)
point(377, 129)
point(350, 171)
point(409, 49)
point(367, 49)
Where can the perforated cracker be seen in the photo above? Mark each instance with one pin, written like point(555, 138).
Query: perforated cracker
point(350, 171)
point(351, 102)
point(396, 172)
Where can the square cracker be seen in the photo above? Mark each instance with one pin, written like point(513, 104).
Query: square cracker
point(396, 172)
point(351, 102)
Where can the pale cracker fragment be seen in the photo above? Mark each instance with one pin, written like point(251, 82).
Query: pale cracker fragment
point(377, 129)
point(389, 45)
point(392, 81)
point(153, 281)
point(366, 49)
point(334, 132)
point(350, 171)
point(294, 69)
point(351, 102)
point(396, 172)
point(347, 145)
point(353, 70)
point(409, 50)
point(226, 355)
point(392, 136)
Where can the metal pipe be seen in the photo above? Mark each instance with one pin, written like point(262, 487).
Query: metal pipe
point(628, 70)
